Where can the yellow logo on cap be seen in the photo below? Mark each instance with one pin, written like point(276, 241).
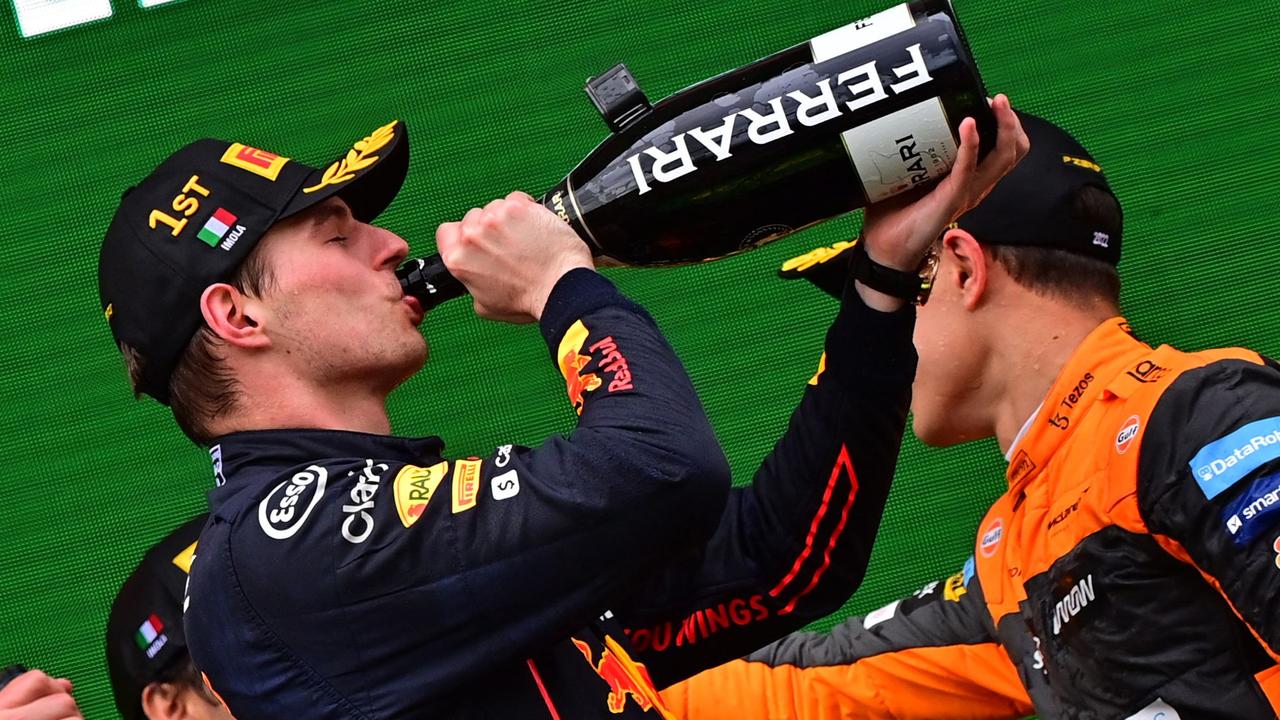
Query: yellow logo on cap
point(184, 559)
point(359, 157)
point(1081, 162)
point(258, 162)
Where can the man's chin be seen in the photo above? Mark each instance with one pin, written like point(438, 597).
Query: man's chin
point(931, 434)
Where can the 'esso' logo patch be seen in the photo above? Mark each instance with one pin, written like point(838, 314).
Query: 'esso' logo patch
point(991, 537)
point(286, 507)
point(1127, 433)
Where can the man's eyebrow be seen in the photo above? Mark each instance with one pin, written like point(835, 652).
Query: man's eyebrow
point(325, 213)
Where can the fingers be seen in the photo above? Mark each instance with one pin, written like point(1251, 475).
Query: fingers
point(520, 195)
point(967, 158)
point(58, 706)
point(28, 687)
point(1012, 143)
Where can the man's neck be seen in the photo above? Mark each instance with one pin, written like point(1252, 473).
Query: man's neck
point(287, 402)
point(1034, 347)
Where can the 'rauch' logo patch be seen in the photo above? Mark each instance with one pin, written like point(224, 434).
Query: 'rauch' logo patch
point(414, 488)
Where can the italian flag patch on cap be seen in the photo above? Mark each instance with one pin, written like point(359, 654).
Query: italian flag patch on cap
point(216, 228)
point(148, 631)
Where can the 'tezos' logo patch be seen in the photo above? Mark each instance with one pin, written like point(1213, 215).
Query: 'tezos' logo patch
point(259, 162)
point(1227, 460)
point(279, 514)
point(414, 488)
point(991, 537)
point(572, 361)
point(1081, 162)
point(1127, 433)
point(466, 484)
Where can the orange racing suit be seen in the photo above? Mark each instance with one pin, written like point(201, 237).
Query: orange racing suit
point(1131, 570)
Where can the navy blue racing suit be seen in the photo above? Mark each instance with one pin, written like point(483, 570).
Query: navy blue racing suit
point(348, 575)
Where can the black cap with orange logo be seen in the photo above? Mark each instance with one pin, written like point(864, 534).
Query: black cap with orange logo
point(195, 218)
point(1036, 204)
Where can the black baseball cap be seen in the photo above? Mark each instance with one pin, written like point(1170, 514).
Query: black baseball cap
point(144, 630)
point(1034, 205)
point(195, 218)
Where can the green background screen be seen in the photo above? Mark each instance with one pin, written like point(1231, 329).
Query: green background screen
point(1175, 99)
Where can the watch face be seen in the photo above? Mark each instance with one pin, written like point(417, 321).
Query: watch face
point(928, 271)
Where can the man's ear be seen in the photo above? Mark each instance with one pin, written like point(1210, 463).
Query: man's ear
point(163, 701)
point(233, 316)
point(967, 268)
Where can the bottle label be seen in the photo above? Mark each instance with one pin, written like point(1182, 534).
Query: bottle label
point(861, 33)
point(902, 150)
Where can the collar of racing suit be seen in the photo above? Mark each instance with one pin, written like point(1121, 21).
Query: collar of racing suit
point(1088, 376)
point(286, 448)
point(1022, 432)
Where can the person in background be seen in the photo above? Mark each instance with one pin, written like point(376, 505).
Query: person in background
point(152, 676)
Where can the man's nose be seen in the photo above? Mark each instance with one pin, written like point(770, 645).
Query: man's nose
point(392, 249)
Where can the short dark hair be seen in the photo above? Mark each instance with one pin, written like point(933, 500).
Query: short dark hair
point(201, 387)
point(1070, 276)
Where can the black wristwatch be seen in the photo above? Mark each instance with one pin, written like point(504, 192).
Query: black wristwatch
point(903, 284)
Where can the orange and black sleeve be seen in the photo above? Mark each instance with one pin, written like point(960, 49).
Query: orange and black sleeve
point(931, 655)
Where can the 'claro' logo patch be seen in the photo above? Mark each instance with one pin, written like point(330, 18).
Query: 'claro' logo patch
point(290, 503)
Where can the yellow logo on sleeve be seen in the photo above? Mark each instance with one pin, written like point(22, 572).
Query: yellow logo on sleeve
point(414, 488)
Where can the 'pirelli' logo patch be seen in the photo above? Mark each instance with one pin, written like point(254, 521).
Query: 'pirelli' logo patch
point(466, 484)
point(259, 162)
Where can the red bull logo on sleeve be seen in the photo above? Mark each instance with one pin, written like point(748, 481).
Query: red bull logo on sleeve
point(572, 361)
point(626, 678)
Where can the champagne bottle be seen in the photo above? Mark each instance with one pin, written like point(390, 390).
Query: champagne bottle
point(852, 117)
